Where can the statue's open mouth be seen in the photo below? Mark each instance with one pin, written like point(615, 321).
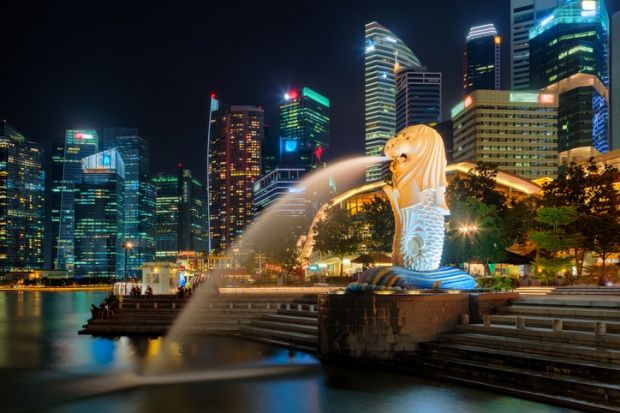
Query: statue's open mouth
point(400, 159)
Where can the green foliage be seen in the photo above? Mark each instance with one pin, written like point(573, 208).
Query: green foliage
point(546, 268)
point(379, 217)
point(556, 216)
point(590, 191)
point(498, 283)
point(517, 220)
point(480, 185)
point(487, 244)
point(337, 234)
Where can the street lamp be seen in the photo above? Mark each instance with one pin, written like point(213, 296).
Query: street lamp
point(468, 231)
point(127, 246)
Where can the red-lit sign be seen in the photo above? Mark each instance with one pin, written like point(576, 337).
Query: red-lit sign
point(546, 98)
point(318, 153)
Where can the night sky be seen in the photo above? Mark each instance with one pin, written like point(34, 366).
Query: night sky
point(152, 65)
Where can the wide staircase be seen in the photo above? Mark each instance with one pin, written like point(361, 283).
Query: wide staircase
point(569, 290)
point(216, 314)
point(294, 326)
point(563, 349)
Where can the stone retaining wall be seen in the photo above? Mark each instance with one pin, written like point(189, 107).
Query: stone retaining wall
point(376, 327)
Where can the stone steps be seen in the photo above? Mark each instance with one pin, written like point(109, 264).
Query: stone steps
point(573, 324)
point(292, 327)
point(291, 319)
point(559, 311)
point(290, 338)
point(590, 395)
point(542, 362)
point(545, 337)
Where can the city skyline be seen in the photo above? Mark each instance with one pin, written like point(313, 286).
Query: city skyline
point(122, 81)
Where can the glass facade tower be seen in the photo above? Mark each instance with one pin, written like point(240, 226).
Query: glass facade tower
point(78, 145)
point(304, 129)
point(615, 81)
point(22, 201)
point(482, 59)
point(385, 54)
point(523, 15)
point(418, 97)
point(569, 56)
point(99, 216)
point(181, 223)
point(139, 194)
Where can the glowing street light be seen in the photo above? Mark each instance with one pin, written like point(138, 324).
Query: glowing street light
point(127, 246)
point(469, 230)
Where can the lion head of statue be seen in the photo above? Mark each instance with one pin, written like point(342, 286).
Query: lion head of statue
point(418, 163)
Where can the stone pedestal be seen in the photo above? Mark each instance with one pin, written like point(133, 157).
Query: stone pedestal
point(375, 326)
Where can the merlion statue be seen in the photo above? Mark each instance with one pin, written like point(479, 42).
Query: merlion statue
point(417, 196)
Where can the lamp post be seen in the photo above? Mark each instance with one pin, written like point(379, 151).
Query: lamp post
point(127, 246)
point(468, 231)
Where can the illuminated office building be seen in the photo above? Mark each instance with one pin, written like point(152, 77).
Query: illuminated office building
point(234, 162)
point(79, 144)
point(99, 216)
point(385, 54)
point(304, 129)
point(615, 81)
point(418, 97)
point(272, 187)
point(55, 166)
point(22, 201)
point(569, 55)
point(482, 59)
point(180, 215)
point(523, 15)
point(139, 195)
point(517, 131)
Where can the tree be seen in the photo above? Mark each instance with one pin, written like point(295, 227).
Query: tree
point(590, 191)
point(603, 236)
point(552, 238)
point(379, 218)
point(487, 243)
point(480, 184)
point(517, 220)
point(337, 234)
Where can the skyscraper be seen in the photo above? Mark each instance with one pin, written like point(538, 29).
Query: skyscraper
point(22, 201)
point(78, 145)
point(99, 216)
point(139, 194)
point(418, 97)
point(517, 131)
point(235, 135)
point(523, 15)
point(482, 59)
point(569, 57)
point(615, 81)
point(167, 217)
point(55, 167)
point(180, 215)
point(304, 129)
point(385, 54)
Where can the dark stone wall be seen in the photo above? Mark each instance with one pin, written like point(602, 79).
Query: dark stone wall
point(375, 327)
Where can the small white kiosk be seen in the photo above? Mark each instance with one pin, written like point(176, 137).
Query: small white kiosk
point(161, 276)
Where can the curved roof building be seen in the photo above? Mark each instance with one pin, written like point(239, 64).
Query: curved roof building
point(385, 54)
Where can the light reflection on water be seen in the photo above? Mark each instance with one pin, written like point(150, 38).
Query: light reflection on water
point(43, 361)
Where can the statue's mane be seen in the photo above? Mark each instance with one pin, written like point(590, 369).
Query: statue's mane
point(429, 170)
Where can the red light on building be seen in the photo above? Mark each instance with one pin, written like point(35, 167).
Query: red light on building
point(293, 94)
point(546, 98)
point(318, 153)
point(213, 95)
point(468, 101)
point(78, 135)
point(180, 165)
